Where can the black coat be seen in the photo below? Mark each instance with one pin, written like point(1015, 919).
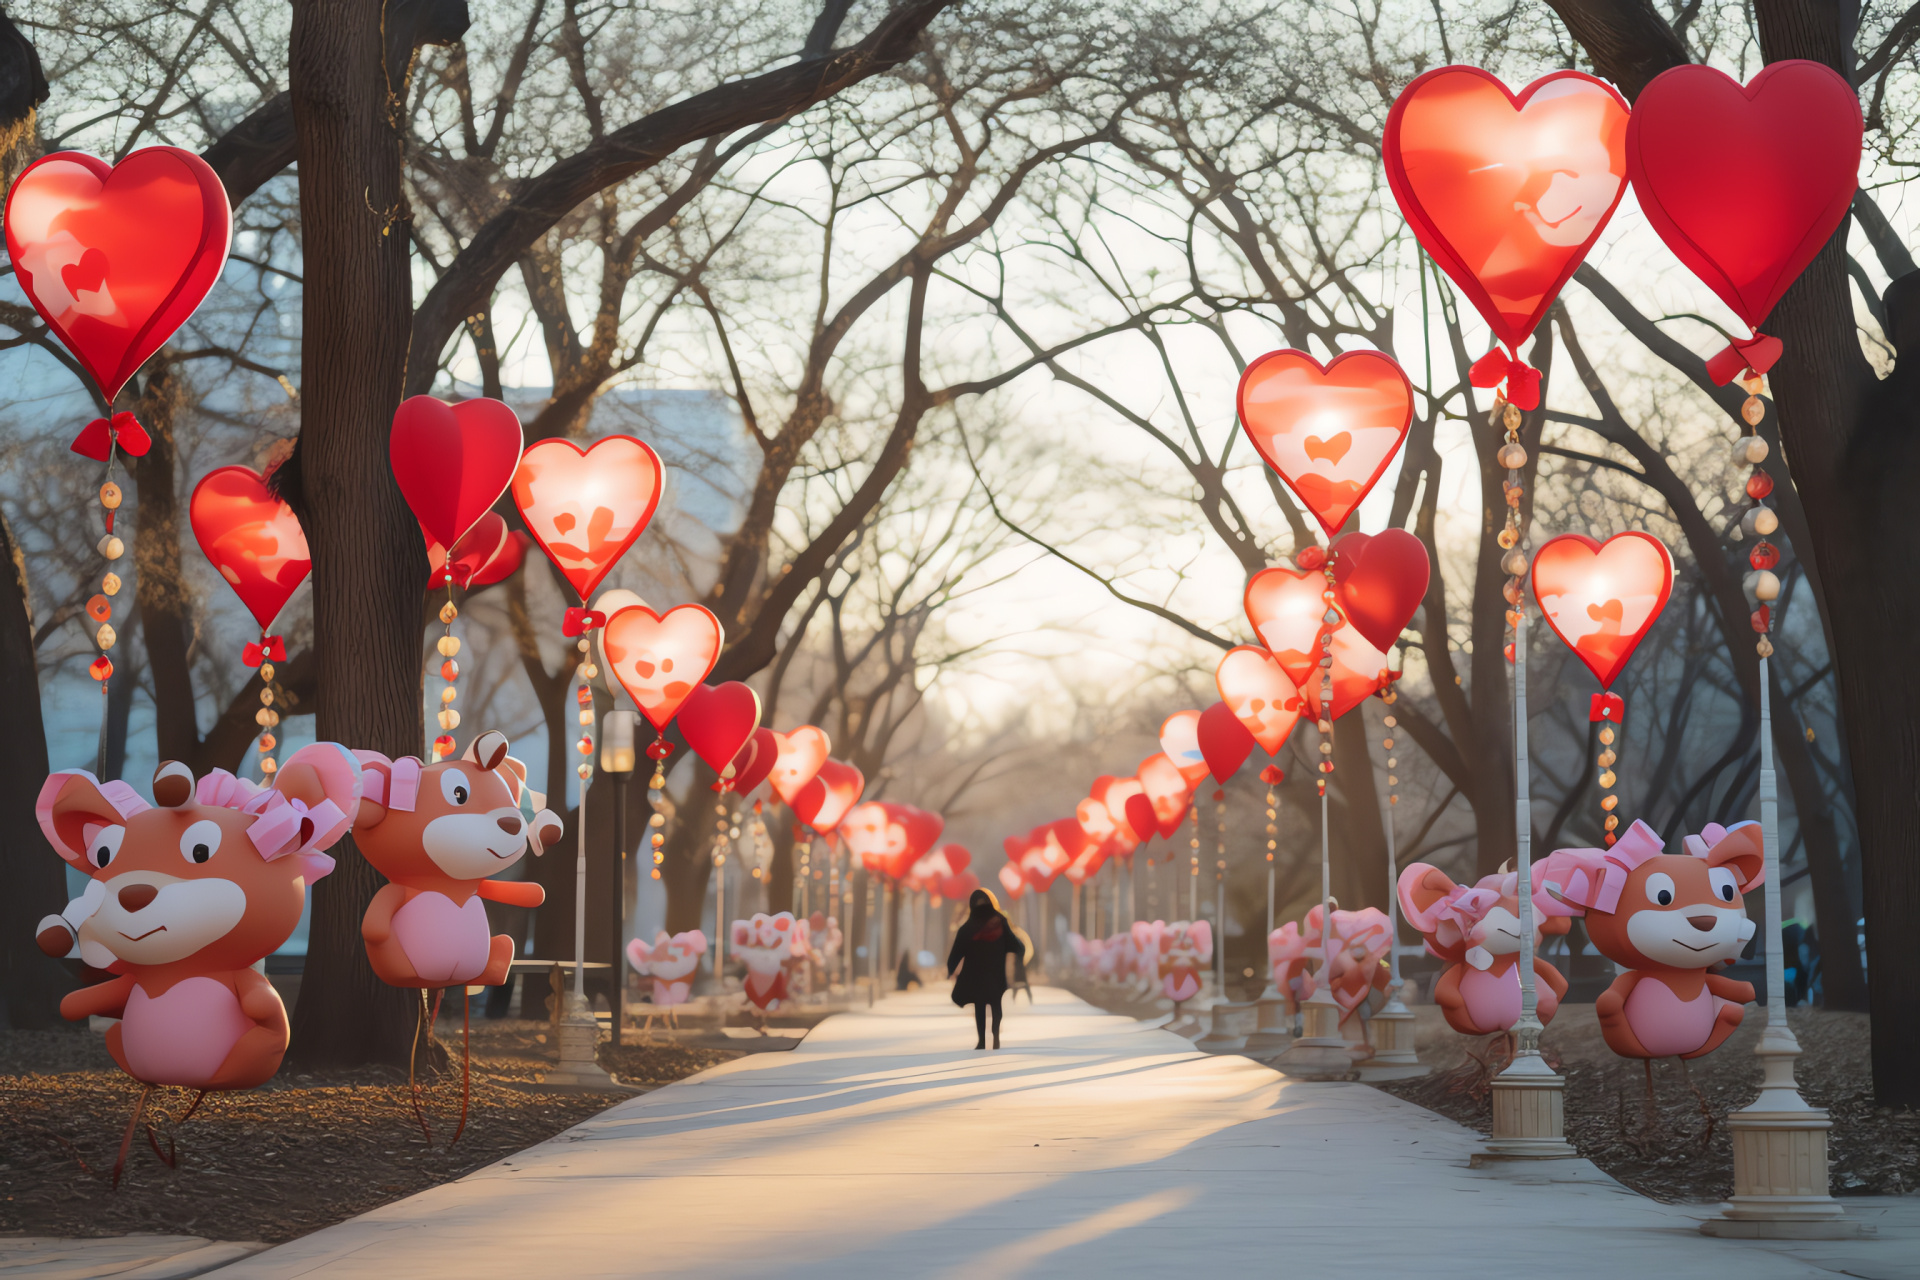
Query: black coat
point(980, 950)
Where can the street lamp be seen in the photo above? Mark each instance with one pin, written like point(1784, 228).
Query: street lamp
point(617, 758)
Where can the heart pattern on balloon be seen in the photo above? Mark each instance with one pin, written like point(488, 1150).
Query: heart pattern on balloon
point(824, 802)
point(585, 507)
point(802, 752)
point(1601, 598)
point(1167, 788)
point(1746, 183)
point(1507, 191)
point(1180, 742)
point(252, 537)
point(115, 258)
point(1380, 580)
point(661, 658)
point(452, 461)
point(1329, 431)
point(1257, 689)
point(1286, 607)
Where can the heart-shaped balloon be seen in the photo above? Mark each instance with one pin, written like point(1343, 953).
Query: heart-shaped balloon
point(1746, 184)
point(1012, 882)
point(802, 752)
point(1507, 192)
point(1094, 819)
point(1224, 741)
point(1328, 430)
point(1140, 815)
point(1112, 794)
point(1256, 688)
point(1359, 672)
point(874, 837)
point(920, 829)
point(453, 461)
point(1602, 598)
point(823, 802)
point(586, 507)
point(487, 541)
point(1380, 580)
point(959, 858)
point(115, 258)
point(660, 659)
point(1166, 787)
point(753, 762)
point(1180, 743)
point(252, 537)
point(718, 719)
point(1287, 608)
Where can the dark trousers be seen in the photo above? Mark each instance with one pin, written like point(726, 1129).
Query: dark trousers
point(980, 1018)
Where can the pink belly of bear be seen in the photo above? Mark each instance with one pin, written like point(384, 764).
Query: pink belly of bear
point(1181, 985)
point(671, 990)
point(1493, 1002)
point(445, 943)
point(182, 1037)
point(1663, 1023)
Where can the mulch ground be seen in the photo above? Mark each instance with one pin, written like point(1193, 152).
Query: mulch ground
point(298, 1154)
point(1670, 1141)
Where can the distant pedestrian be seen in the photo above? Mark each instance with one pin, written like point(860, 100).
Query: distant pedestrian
point(980, 949)
point(905, 977)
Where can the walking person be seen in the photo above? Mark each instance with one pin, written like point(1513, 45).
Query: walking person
point(980, 949)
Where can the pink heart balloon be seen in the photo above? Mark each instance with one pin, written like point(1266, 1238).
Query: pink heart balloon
point(659, 659)
point(1330, 430)
point(1286, 607)
point(823, 803)
point(586, 507)
point(1601, 599)
point(1256, 689)
point(1180, 743)
point(802, 752)
point(1359, 671)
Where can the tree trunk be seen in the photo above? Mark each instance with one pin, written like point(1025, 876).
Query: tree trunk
point(369, 569)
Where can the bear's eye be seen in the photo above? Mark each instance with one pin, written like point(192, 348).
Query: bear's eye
point(200, 841)
point(104, 847)
point(1721, 878)
point(1660, 889)
point(453, 785)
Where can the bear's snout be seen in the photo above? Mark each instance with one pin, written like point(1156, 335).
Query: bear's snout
point(135, 896)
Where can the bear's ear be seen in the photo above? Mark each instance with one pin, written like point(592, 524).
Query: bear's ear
point(172, 784)
point(1420, 887)
point(487, 750)
point(1743, 850)
point(514, 773)
point(75, 815)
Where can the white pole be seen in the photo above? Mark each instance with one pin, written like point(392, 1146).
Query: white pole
point(1528, 1028)
point(580, 892)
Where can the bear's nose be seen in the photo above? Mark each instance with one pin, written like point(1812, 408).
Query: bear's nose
point(510, 825)
point(136, 896)
point(1704, 924)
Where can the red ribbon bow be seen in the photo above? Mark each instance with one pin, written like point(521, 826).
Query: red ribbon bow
point(1607, 706)
point(97, 438)
point(1272, 775)
point(1756, 353)
point(1522, 379)
point(270, 649)
point(582, 620)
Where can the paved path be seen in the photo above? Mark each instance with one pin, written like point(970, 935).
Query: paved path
point(883, 1147)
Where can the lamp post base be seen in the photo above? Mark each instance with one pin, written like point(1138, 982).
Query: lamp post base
point(1322, 1053)
point(1393, 1055)
point(579, 1035)
point(1229, 1029)
point(1272, 1028)
point(1529, 1119)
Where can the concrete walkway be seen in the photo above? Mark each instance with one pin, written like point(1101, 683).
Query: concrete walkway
point(1090, 1146)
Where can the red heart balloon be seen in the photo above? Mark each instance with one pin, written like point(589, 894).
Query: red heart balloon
point(718, 719)
point(1112, 794)
point(1746, 185)
point(586, 507)
point(1167, 789)
point(453, 461)
point(1286, 607)
point(115, 258)
point(1380, 580)
point(1140, 816)
point(823, 802)
point(251, 537)
point(1094, 819)
point(504, 563)
point(1180, 743)
point(958, 857)
point(1601, 599)
point(660, 659)
point(919, 828)
point(1328, 430)
point(753, 762)
point(487, 541)
point(802, 752)
point(1256, 688)
point(1224, 741)
point(1012, 882)
point(1359, 672)
point(1507, 192)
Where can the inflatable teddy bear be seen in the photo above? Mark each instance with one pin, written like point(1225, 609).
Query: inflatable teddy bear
point(1476, 931)
point(670, 962)
point(1355, 966)
point(437, 831)
point(767, 946)
point(193, 891)
point(1186, 949)
point(1287, 960)
point(1670, 919)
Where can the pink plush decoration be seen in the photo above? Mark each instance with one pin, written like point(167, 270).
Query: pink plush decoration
point(1287, 958)
point(1477, 932)
point(670, 962)
point(1670, 919)
point(1186, 948)
point(1360, 942)
point(768, 946)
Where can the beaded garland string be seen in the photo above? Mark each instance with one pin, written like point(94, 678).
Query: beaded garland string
point(448, 647)
point(1758, 519)
point(100, 605)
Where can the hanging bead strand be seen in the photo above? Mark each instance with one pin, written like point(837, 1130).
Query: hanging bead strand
point(1513, 456)
point(658, 751)
point(449, 648)
point(1758, 520)
point(100, 606)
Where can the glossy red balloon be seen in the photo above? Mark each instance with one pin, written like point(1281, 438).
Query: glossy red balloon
point(488, 553)
point(923, 827)
point(1167, 789)
point(1258, 691)
point(453, 461)
point(1507, 191)
point(586, 507)
point(1329, 430)
point(660, 659)
point(802, 752)
point(1140, 816)
point(1601, 599)
point(1286, 607)
point(959, 858)
point(823, 802)
point(1112, 795)
point(1746, 184)
point(1380, 580)
point(251, 537)
point(1012, 881)
point(504, 563)
point(1224, 741)
point(718, 719)
point(754, 761)
point(115, 258)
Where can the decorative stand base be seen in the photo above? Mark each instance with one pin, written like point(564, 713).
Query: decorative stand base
point(1393, 1056)
point(579, 1037)
point(1528, 1120)
point(1228, 1033)
point(1272, 1028)
point(1322, 1053)
point(1780, 1173)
